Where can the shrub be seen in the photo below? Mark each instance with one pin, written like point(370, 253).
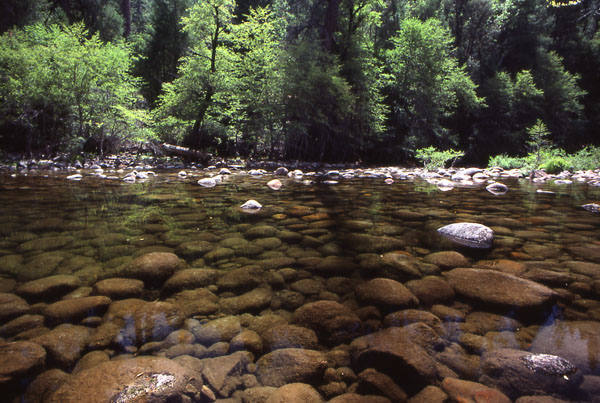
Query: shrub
point(506, 162)
point(432, 158)
point(586, 158)
point(555, 165)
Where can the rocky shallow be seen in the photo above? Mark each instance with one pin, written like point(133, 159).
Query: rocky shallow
point(338, 288)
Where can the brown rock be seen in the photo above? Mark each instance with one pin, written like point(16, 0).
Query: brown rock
point(40, 389)
point(21, 324)
point(119, 288)
point(190, 278)
point(90, 360)
point(429, 394)
point(447, 259)
point(356, 398)
point(400, 352)
point(386, 293)
point(195, 302)
point(460, 390)
point(12, 306)
point(48, 287)
point(332, 321)
point(138, 379)
point(73, 310)
point(295, 393)
point(373, 381)
point(153, 267)
point(289, 336)
point(251, 301)
point(290, 365)
point(499, 288)
point(431, 290)
point(19, 358)
point(64, 343)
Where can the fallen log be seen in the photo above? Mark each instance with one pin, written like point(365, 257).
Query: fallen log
point(186, 153)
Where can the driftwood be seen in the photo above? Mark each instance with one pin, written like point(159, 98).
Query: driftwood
point(186, 153)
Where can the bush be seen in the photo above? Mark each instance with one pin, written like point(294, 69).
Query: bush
point(434, 159)
point(555, 165)
point(506, 162)
point(586, 158)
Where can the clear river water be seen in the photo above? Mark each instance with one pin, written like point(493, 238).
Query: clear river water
point(167, 290)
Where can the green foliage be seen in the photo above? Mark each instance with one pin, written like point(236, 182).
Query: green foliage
point(425, 82)
point(257, 90)
point(199, 99)
point(61, 88)
point(505, 161)
point(587, 158)
point(555, 165)
point(433, 158)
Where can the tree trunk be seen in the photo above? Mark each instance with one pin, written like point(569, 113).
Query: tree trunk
point(126, 12)
point(330, 24)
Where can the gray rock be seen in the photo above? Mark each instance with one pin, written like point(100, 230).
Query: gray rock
point(216, 371)
point(577, 341)
point(519, 373)
point(497, 188)
point(222, 329)
point(472, 235)
point(592, 207)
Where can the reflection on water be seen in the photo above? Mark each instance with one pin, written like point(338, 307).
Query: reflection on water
point(347, 288)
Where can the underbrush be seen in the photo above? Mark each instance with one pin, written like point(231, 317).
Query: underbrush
point(551, 160)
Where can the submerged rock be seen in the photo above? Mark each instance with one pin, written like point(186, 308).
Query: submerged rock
point(519, 373)
point(139, 379)
point(472, 235)
point(499, 288)
point(19, 358)
point(592, 207)
point(497, 188)
point(251, 205)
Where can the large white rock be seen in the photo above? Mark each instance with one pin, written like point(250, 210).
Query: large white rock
point(468, 234)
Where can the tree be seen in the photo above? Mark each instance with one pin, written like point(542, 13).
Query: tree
point(258, 87)
point(425, 83)
point(62, 88)
point(166, 45)
point(196, 103)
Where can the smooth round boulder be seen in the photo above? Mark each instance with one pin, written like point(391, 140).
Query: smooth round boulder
point(119, 287)
point(138, 379)
point(499, 288)
point(46, 287)
point(472, 235)
point(290, 365)
point(385, 292)
point(295, 393)
point(19, 358)
point(153, 267)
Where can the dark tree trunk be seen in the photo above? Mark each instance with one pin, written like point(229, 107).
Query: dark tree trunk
point(330, 24)
point(126, 12)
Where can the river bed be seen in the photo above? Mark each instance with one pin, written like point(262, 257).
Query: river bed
point(335, 290)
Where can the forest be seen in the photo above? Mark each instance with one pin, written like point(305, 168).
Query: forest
point(369, 81)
